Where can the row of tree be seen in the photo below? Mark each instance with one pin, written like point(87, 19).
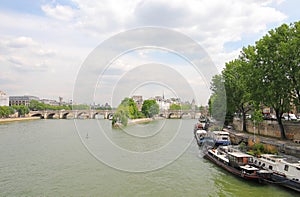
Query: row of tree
point(36, 105)
point(7, 111)
point(266, 74)
point(129, 110)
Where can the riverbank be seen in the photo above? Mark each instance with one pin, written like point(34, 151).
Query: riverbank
point(282, 146)
point(139, 121)
point(7, 120)
point(133, 122)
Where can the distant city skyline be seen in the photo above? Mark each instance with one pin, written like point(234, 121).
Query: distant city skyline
point(61, 99)
point(42, 53)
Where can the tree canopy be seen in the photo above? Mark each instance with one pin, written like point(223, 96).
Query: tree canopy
point(36, 105)
point(150, 108)
point(126, 109)
point(266, 74)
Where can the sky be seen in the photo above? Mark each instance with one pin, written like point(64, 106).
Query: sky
point(46, 44)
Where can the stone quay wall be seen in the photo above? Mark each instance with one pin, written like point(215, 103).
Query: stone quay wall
point(271, 128)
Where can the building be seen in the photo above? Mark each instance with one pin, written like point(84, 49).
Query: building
point(139, 101)
point(21, 100)
point(50, 102)
point(4, 99)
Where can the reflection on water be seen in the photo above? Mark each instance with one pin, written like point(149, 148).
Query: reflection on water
point(46, 157)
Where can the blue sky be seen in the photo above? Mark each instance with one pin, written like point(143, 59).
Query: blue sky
point(43, 43)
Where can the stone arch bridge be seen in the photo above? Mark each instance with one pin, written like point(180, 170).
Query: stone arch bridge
point(64, 114)
point(180, 113)
point(107, 114)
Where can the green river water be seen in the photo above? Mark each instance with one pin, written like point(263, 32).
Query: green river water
point(48, 158)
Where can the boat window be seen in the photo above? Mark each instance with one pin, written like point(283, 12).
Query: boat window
point(263, 165)
point(271, 167)
point(286, 167)
point(255, 161)
point(259, 163)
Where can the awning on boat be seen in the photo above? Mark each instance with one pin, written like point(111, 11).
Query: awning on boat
point(201, 132)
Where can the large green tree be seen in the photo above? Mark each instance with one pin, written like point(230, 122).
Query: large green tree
point(271, 84)
point(36, 105)
point(292, 52)
point(150, 108)
point(21, 109)
point(132, 107)
point(217, 102)
point(237, 92)
point(126, 109)
point(5, 111)
point(121, 115)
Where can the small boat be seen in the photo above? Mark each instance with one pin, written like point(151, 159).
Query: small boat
point(204, 121)
point(198, 126)
point(221, 138)
point(203, 138)
point(235, 162)
point(284, 171)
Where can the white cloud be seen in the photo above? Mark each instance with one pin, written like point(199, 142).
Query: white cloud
point(57, 43)
point(61, 12)
point(21, 42)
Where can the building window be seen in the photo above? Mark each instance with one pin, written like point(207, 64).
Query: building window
point(271, 167)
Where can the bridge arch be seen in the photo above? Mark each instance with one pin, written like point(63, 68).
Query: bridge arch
point(162, 115)
point(171, 115)
point(185, 114)
point(65, 115)
point(38, 115)
point(50, 116)
point(79, 115)
point(110, 116)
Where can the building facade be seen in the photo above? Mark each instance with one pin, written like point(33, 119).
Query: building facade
point(4, 99)
point(21, 100)
point(139, 101)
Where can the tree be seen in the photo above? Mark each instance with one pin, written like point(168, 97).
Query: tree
point(293, 54)
point(5, 111)
point(175, 107)
point(21, 109)
point(237, 92)
point(126, 109)
point(121, 115)
point(186, 107)
point(271, 68)
point(217, 102)
point(132, 108)
point(36, 105)
point(150, 108)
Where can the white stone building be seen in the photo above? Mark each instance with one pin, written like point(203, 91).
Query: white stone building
point(4, 99)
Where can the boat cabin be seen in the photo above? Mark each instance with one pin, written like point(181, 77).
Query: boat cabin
point(281, 165)
point(221, 137)
point(238, 159)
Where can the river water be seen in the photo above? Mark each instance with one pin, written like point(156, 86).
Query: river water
point(53, 158)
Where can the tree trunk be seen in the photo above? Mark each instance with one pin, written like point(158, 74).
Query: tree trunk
point(244, 120)
point(281, 128)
